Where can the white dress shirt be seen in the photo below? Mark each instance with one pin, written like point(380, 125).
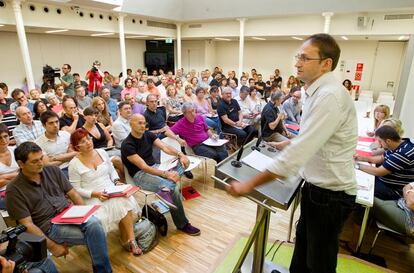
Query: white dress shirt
point(55, 147)
point(323, 151)
point(120, 130)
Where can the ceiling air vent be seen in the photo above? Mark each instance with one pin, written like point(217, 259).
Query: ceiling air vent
point(160, 24)
point(399, 17)
point(194, 26)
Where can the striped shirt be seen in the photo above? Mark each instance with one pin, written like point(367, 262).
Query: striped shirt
point(23, 133)
point(400, 162)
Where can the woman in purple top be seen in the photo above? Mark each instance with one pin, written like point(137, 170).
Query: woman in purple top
point(203, 108)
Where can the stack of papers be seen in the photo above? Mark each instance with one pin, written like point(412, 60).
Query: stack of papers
point(117, 189)
point(257, 160)
point(75, 214)
point(215, 142)
point(365, 188)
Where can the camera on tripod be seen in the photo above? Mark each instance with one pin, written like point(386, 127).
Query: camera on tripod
point(23, 247)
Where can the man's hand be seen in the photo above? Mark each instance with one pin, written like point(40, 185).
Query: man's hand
point(185, 161)
point(173, 176)
point(237, 188)
point(182, 142)
point(59, 250)
point(7, 266)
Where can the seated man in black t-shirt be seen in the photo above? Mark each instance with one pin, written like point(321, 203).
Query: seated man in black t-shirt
point(273, 129)
point(137, 157)
point(71, 119)
point(231, 118)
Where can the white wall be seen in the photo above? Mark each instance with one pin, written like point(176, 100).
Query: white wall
point(79, 52)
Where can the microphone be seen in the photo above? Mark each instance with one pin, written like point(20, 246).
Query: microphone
point(236, 163)
point(260, 138)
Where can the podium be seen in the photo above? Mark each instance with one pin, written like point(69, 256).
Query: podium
point(278, 194)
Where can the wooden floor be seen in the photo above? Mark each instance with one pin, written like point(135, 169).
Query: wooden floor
point(220, 218)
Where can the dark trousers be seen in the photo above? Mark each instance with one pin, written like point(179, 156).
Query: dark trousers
point(385, 192)
point(322, 216)
point(241, 133)
point(217, 153)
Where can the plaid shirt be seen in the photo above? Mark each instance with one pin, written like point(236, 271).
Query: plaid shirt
point(24, 133)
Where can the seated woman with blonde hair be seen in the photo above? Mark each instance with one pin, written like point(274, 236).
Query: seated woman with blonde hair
point(103, 115)
point(91, 172)
point(381, 112)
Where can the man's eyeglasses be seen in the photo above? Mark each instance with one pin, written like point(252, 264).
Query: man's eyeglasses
point(305, 59)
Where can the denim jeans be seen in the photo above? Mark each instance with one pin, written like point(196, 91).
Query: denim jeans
point(154, 183)
point(214, 122)
point(322, 215)
point(47, 266)
point(217, 153)
point(90, 234)
point(385, 192)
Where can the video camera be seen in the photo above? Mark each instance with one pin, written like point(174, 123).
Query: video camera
point(23, 247)
point(49, 75)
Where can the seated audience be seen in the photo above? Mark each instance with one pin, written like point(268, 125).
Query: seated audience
point(91, 172)
point(137, 157)
point(203, 108)
point(194, 130)
point(293, 107)
point(78, 81)
point(121, 127)
point(39, 108)
point(83, 100)
point(173, 104)
point(8, 165)
point(5, 103)
point(71, 118)
point(397, 164)
point(38, 194)
point(291, 82)
point(152, 89)
point(381, 112)
point(188, 94)
point(397, 214)
point(394, 123)
point(112, 104)
point(20, 100)
point(234, 89)
point(273, 130)
point(137, 108)
point(142, 93)
point(28, 129)
point(231, 118)
point(260, 85)
point(180, 88)
point(250, 115)
point(214, 98)
point(103, 115)
point(60, 92)
point(115, 89)
point(55, 143)
point(35, 96)
point(55, 105)
point(129, 89)
point(257, 102)
point(6, 116)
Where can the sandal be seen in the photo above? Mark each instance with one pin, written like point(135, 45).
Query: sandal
point(131, 246)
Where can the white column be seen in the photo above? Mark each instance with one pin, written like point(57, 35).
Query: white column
point(23, 43)
point(327, 25)
point(178, 46)
point(241, 46)
point(122, 43)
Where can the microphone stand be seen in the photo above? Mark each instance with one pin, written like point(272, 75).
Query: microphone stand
point(236, 163)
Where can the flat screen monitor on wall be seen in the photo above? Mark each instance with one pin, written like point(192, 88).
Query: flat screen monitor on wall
point(157, 59)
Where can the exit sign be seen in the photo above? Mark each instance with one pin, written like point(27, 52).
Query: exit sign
point(168, 41)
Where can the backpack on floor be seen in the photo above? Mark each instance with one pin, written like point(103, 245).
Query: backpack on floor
point(146, 234)
point(157, 218)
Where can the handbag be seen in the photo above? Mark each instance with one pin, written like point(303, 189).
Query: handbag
point(157, 218)
point(146, 234)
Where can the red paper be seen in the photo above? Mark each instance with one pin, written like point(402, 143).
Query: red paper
point(126, 193)
point(292, 127)
point(363, 153)
point(76, 221)
point(366, 139)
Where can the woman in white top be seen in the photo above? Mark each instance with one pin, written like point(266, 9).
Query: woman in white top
point(8, 166)
point(91, 172)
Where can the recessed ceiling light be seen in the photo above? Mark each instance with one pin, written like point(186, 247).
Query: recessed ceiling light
point(160, 38)
point(297, 38)
point(258, 38)
point(1, 25)
point(345, 38)
point(102, 34)
point(136, 36)
point(56, 30)
point(402, 37)
point(222, 39)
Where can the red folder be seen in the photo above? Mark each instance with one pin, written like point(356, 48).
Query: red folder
point(75, 221)
point(366, 139)
point(363, 153)
point(292, 127)
point(127, 193)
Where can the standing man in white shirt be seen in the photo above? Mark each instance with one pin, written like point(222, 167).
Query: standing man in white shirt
point(322, 153)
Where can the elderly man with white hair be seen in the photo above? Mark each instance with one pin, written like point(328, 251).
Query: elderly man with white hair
point(28, 129)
